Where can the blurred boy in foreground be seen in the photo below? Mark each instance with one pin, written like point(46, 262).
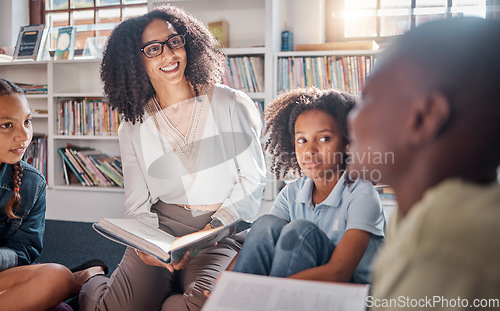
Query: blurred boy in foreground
point(433, 101)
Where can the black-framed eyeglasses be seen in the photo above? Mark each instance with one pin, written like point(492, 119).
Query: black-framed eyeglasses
point(154, 49)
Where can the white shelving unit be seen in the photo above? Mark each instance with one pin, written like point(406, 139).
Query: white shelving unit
point(70, 79)
point(295, 54)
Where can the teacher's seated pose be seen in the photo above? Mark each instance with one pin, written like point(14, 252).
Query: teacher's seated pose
point(191, 157)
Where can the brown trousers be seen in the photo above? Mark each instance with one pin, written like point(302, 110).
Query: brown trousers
point(136, 286)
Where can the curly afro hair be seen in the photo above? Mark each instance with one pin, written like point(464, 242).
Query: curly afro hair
point(126, 83)
point(8, 88)
point(284, 111)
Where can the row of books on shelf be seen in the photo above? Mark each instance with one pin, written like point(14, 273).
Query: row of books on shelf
point(36, 153)
point(90, 167)
point(32, 89)
point(245, 73)
point(89, 116)
point(345, 73)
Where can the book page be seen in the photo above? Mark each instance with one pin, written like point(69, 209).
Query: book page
point(205, 238)
point(247, 292)
point(192, 237)
point(137, 233)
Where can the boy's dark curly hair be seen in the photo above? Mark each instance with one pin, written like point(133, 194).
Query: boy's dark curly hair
point(126, 83)
point(284, 111)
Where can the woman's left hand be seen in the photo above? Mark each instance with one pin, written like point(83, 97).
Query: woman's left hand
point(152, 261)
point(207, 227)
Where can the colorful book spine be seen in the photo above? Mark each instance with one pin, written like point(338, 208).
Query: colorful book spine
point(36, 153)
point(346, 73)
point(244, 73)
point(91, 168)
point(70, 164)
point(79, 167)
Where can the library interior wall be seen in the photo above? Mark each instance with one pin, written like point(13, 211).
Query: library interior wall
point(240, 33)
point(306, 20)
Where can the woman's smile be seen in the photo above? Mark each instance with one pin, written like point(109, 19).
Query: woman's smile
point(171, 68)
point(19, 151)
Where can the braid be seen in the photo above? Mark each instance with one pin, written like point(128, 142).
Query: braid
point(15, 199)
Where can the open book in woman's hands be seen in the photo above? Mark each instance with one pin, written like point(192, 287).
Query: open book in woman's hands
point(158, 243)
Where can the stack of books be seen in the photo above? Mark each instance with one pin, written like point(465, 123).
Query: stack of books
point(90, 168)
point(31, 89)
point(36, 154)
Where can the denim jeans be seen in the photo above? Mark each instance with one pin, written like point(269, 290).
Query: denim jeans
point(275, 247)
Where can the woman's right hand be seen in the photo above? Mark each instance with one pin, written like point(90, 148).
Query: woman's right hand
point(152, 261)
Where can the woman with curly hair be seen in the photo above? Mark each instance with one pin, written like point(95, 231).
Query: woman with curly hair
point(22, 219)
point(322, 226)
point(191, 157)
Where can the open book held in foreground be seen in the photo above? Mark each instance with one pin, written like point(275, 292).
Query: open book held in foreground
point(248, 292)
point(158, 243)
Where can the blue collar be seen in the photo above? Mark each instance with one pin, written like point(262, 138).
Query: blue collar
point(304, 194)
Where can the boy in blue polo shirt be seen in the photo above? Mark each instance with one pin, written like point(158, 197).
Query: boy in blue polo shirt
point(323, 226)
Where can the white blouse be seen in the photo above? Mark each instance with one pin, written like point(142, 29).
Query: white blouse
point(198, 168)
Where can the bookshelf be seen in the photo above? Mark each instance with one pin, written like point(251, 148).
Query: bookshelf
point(343, 70)
point(76, 79)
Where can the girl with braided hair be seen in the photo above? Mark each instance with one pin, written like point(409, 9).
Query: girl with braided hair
point(22, 219)
point(323, 226)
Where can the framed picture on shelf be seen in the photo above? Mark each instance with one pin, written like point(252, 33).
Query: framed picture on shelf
point(220, 30)
point(30, 43)
point(65, 46)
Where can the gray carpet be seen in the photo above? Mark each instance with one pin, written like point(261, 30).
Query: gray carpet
point(72, 243)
